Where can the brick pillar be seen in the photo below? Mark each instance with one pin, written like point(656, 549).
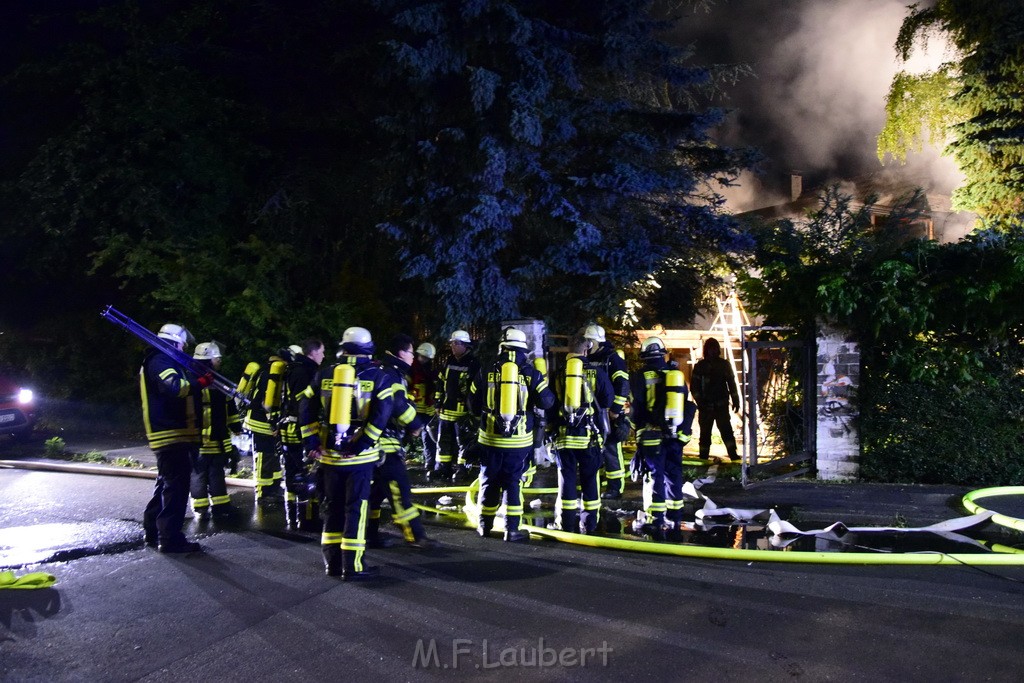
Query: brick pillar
point(838, 444)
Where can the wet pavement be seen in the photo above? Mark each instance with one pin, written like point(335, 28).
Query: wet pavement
point(256, 605)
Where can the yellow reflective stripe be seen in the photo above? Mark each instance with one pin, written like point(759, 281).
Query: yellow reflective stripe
point(330, 538)
point(514, 510)
point(221, 500)
point(372, 431)
point(309, 430)
point(514, 441)
point(591, 505)
point(620, 374)
point(408, 415)
point(339, 460)
point(489, 510)
point(387, 392)
point(569, 504)
point(447, 415)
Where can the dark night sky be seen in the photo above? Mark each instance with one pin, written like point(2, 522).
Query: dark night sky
point(823, 68)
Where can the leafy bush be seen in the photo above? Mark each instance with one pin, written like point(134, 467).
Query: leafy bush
point(54, 447)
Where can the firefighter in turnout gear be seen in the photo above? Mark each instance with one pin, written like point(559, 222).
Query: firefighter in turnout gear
point(296, 426)
point(505, 398)
point(390, 478)
point(264, 386)
point(664, 417)
point(614, 365)
point(172, 414)
point(220, 421)
point(580, 419)
point(422, 387)
point(357, 398)
point(452, 402)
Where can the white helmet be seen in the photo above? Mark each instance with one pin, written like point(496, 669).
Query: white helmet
point(460, 336)
point(427, 350)
point(653, 347)
point(207, 351)
point(594, 332)
point(174, 333)
point(357, 340)
point(296, 350)
point(513, 338)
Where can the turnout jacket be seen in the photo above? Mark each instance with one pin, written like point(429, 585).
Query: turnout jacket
point(403, 414)
point(220, 421)
point(713, 384)
point(372, 407)
point(613, 364)
point(597, 396)
point(257, 420)
point(453, 386)
point(170, 408)
point(649, 391)
point(484, 396)
point(422, 386)
point(299, 386)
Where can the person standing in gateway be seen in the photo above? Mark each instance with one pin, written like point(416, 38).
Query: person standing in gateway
point(713, 385)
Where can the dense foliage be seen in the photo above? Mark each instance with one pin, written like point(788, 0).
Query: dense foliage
point(972, 102)
point(939, 327)
point(264, 172)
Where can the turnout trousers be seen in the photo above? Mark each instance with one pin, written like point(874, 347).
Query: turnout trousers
point(391, 480)
point(500, 472)
point(577, 474)
point(664, 457)
point(208, 488)
point(165, 512)
point(346, 499)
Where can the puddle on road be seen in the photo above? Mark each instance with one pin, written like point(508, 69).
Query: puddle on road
point(37, 543)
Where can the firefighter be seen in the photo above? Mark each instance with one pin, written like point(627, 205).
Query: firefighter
point(422, 386)
point(265, 387)
point(611, 360)
point(357, 403)
point(580, 422)
point(296, 426)
point(664, 418)
point(451, 402)
point(390, 478)
point(714, 384)
point(216, 453)
point(172, 415)
point(505, 398)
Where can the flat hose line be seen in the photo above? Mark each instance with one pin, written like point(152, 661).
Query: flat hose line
point(996, 559)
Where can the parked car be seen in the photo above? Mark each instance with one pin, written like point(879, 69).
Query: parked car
point(17, 408)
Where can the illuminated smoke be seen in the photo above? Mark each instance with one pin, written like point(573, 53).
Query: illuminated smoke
point(817, 103)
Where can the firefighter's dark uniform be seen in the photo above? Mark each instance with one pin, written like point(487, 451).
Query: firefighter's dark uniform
point(220, 421)
point(390, 478)
point(503, 456)
point(657, 445)
point(172, 417)
point(295, 427)
point(422, 388)
point(263, 426)
point(451, 402)
point(579, 437)
point(347, 462)
point(614, 365)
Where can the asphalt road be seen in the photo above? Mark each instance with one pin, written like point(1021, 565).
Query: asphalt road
point(256, 606)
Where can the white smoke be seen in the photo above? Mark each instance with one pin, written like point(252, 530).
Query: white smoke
point(823, 71)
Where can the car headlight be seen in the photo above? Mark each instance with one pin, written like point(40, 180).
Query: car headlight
point(25, 396)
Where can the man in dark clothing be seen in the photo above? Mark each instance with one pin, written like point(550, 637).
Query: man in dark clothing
point(507, 420)
point(172, 416)
point(220, 421)
point(713, 384)
point(614, 365)
point(297, 425)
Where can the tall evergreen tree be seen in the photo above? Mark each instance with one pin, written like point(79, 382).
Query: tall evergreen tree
point(549, 158)
point(974, 101)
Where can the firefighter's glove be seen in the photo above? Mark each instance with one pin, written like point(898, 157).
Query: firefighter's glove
point(638, 467)
point(204, 381)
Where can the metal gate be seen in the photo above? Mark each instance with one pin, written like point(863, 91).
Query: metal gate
point(779, 419)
